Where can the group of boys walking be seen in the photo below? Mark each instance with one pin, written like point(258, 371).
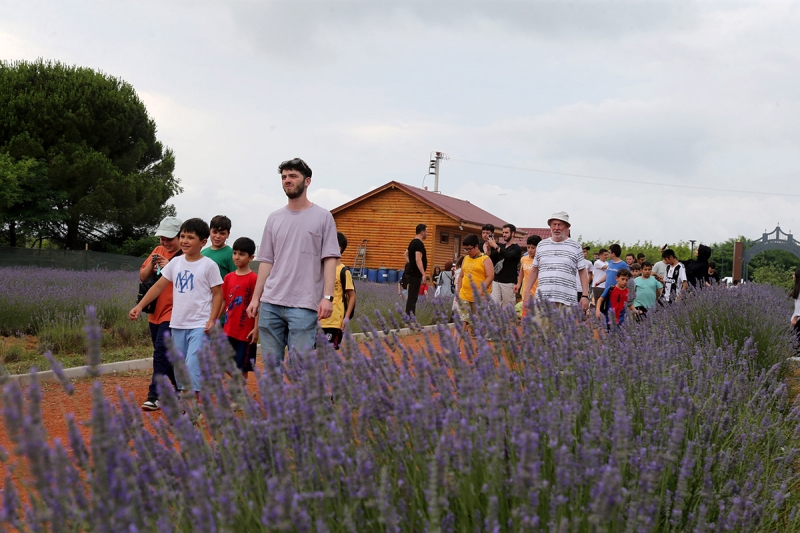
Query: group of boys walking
point(301, 284)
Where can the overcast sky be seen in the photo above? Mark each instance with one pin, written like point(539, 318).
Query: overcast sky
point(690, 94)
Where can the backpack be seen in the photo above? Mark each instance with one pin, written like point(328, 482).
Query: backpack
point(343, 281)
point(145, 286)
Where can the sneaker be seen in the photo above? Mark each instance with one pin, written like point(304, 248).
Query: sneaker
point(151, 405)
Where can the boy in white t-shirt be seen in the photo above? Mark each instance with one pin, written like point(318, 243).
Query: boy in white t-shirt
point(599, 274)
point(196, 296)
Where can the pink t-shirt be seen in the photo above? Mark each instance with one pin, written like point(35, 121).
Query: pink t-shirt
point(295, 243)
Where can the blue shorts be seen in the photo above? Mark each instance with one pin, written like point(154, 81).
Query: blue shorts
point(244, 354)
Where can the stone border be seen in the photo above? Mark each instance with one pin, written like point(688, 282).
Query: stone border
point(147, 363)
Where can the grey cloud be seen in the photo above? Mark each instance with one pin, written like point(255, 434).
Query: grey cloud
point(305, 28)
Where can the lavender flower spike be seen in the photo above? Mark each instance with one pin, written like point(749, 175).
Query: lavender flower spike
point(94, 335)
point(58, 370)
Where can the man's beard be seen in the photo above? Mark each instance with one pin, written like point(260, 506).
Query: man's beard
point(293, 195)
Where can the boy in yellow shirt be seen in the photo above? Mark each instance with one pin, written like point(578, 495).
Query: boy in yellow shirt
point(344, 299)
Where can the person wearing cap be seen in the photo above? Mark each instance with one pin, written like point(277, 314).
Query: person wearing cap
point(556, 264)
point(158, 320)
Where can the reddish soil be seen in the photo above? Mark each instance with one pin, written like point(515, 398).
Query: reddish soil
point(56, 403)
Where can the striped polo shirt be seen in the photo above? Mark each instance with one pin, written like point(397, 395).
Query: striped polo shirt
point(558, 265)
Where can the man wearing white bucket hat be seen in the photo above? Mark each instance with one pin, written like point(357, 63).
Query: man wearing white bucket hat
point(557, 262)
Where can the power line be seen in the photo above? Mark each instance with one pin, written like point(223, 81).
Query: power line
point(622, 180)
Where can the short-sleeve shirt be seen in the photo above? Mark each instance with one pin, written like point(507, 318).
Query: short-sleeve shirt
point(415, 246)
point(558, 265)
point(238, 292)
point(163, 310)
point(611, 272)
point(223, 257)
point(646, 292)
point(597, 272)
point(295, 243)
point(336, 320)
point(192, 282)
point(673, 282)
point(660, 269)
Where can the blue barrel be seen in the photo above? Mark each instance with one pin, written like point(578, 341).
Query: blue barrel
point(399, 275)
point(372, 275)
point(393, 276)
point(383, 276)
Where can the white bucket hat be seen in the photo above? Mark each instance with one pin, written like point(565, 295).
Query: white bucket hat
point(169, 227)
point(561, 215)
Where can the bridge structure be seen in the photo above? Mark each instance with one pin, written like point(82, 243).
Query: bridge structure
point(776, 239)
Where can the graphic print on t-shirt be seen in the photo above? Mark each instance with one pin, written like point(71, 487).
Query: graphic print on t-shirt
point(184, 281)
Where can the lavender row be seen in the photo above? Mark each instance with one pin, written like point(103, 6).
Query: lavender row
point(679, 423)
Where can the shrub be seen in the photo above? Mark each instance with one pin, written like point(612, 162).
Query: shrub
point(655, 428)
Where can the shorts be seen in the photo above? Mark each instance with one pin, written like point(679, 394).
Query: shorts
point(334, 336)
point(244, 354)
point(464, 310)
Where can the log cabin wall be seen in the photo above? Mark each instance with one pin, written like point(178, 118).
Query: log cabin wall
point(387, 220)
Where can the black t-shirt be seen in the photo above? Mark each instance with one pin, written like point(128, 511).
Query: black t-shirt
point(511, 254)
point(414, 247)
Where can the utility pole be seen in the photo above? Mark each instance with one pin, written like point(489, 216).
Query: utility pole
point(433, 168)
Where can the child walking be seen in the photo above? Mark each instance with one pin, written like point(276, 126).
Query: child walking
point(344, 299)
point(219, 251)
point(616, 297)
point(795, 294)
point(237, 289)
point(196, 296)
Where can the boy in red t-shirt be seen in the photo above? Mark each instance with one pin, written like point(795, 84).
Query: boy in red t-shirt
point(616, 297)
point(237, 288)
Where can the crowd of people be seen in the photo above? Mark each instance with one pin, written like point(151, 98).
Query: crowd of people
point(301, 283)
point(556, 269)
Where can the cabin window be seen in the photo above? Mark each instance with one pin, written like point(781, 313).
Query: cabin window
point(444, 238)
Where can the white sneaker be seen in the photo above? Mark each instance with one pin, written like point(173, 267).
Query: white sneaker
point(151, 405)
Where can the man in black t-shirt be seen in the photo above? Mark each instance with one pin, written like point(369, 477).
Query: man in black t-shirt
point(506, 258)
point(418, 261)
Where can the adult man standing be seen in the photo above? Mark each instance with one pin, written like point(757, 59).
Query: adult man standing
point(556, 264)
point(505, 258)
point(298, 256)
point(418, 260)
point(158, 320)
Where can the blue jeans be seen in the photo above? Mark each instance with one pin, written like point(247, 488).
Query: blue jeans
point(189, 342)
point(280, 326)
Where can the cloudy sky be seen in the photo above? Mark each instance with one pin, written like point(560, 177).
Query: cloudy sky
point(526, 98)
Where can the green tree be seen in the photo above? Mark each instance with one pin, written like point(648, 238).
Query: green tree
point(95, 171)
point(773, 274)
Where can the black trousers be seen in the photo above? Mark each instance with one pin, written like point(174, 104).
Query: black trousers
point(413, 294)
point(161, 364)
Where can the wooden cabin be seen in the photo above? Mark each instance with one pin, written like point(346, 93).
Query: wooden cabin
point(387, 216)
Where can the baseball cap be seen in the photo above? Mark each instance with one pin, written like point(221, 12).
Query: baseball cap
point(169, 227)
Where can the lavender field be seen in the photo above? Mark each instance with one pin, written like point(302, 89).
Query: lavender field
point(680, 423)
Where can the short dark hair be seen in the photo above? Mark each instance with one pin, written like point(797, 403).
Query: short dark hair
point(647, 264)
point(640, 256)
point(636, 266)
point(624, 273)
point(587, 247)
point(220, 223)
point(295, 164)
point(421, 228)
point(615, 249)
point(712, 264)
point(666, 254)
point(197, 226)
point(512, 227)
point(470, 240)
point(342, 241)
point(244, 244)
point(488, 227)
point(630, 255)
point(533, 240)
point(602, 250)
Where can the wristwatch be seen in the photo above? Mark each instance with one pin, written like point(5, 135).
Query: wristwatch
point(584, 296)
point(327, 297)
